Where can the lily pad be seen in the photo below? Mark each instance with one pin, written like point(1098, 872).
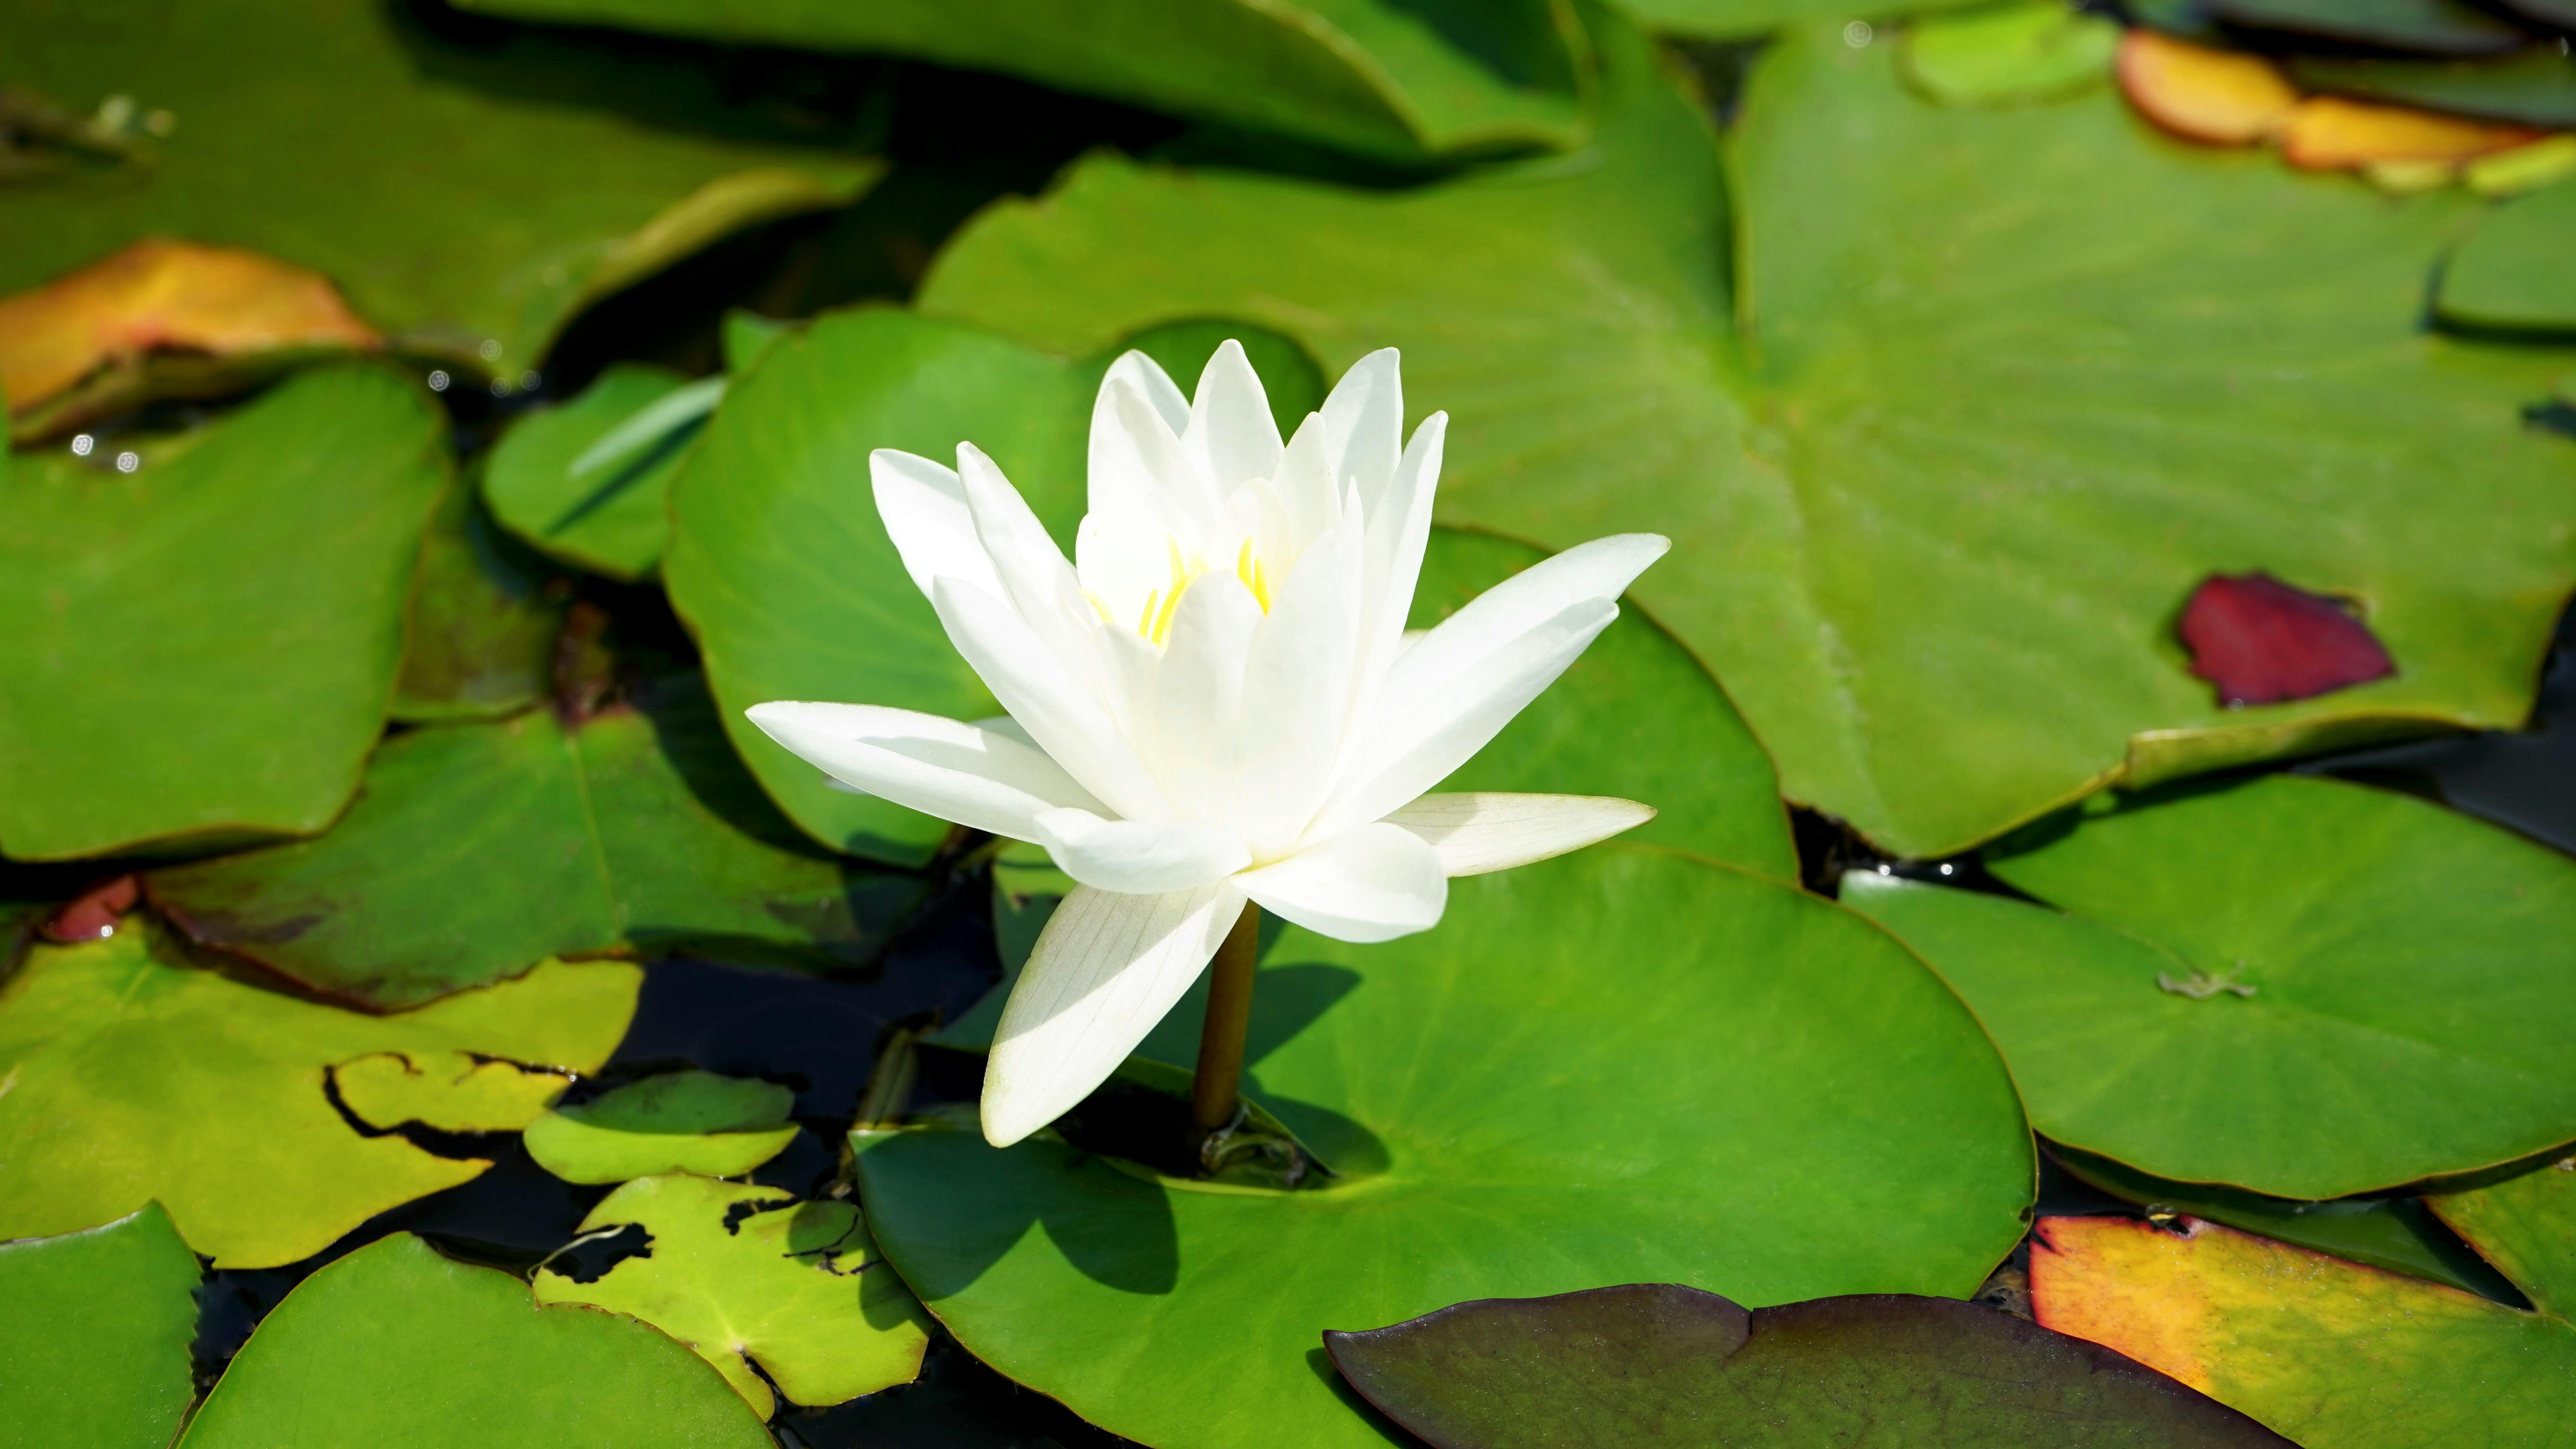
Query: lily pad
point(479, 849)
point(479, 640)
point(394, 1345)
point(2334, 1354)
point(2534, 87)
point(2292, 985)
point(1744, 19)
point(537, 173)
point(96, 1337)
point(1379, 77)
point(2513, 271)
point(1662, 1362)
point(1773, 1102)
point(609, 519)
point(450, 1091)
point(784, 571)
point(1999, 387)
point(2397, 1233)
point(2034, 50)
point(136, 1075)
point(750, 1275)
point(2435, 27)
point(2204, 93)
point(677, 1122)
point(201, 650)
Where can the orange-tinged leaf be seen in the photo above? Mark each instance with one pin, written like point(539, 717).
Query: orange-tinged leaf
point(159, 294)
point(2330, 133)
point(2333, 1354)
point(2200, 94)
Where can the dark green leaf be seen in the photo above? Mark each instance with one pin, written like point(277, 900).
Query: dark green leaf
point(135, 1076)
point(94, 1342)
point(476, 850)
point(2535, 87)
point(1620, 1065)
point(1381, 77)
point(2002, 387)
point(202, 651)
point(1744, 19)
point(394, 1346)
point(1660, 1363)
point(479, 637)
point(469, 193)
point(2295, 986)
point(2437, 27)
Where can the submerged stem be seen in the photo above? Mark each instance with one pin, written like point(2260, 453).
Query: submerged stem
point(1214, 1098)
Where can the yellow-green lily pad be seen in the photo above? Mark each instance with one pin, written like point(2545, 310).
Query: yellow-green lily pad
point(688, 1121)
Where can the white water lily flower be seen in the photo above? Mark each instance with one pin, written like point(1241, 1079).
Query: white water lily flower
point(1216, 701)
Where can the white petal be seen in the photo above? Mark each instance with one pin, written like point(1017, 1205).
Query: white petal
point(1364, 424)
point(1412, 747)
point(1399, 527)
point(1231, 433)
point(1038, 581)
point(1152, 383)
point(924, 509)
point(1601, 569)
point(1047, 698)
point(1135, 858)
point(1474, 832)
point(1371, 884)
point(978, 777)
point(1198, 698)
point(1104, 971)
point(1298, 692)
point(1138, 467)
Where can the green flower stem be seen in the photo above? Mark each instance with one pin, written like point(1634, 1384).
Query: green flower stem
point(1214, 1099)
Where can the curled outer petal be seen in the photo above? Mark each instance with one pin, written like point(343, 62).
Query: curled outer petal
point(1137, 858)
point(1371, 884)
point(989, 779)
point(1474, 832)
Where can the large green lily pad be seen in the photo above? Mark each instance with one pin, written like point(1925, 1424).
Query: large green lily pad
point(749, 1274)
point(478, 850)
point(2513, 271)
point(678, 1122)
point(395, 1347)
point(1381, 77)
point(1621, 1065)
point(1997, 390)
point(479, 640)
point(203, 650)
point(135, 1075)
point(94, 1345)
point(1643, 1362)
point(2297, 986)
point(2334, 1354)
point(535, 173)
point(781, 566)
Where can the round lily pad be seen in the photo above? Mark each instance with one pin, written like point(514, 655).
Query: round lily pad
point(751, 1275)
point(2291, 985)
point(479, 849)
point(1992, 391)
point(609, 517)
point(94, 1345)
point(135, 1075)
point(248, 577)
point(395, 1347)
point(678, 1122)
point(1621, 1065)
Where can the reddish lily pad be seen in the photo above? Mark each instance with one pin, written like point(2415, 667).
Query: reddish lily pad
point(92, 915)
point(2332, 1353)
point(2262, 641)
point(1658, 1362)
point(2200, 93)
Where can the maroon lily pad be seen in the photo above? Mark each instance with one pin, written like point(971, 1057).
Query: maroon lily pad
point(1663, 1364)
point(2262, 641)
point(92, 916)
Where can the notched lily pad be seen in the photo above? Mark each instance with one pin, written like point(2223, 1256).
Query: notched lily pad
point(94, 1339)
point(102, 339)
point(2262, 641)
point(688, 1121)
point(749, 1275)
point(1664, 1363)
point(395, 1345)
point(480, 848)
point(2408, 982)
point(2332, 1353)
point(451, 1091)
point(552, 483)
point(136, 1075)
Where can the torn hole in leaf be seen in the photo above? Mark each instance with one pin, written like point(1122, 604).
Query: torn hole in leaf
point(2262, 641)
point(588, 1258)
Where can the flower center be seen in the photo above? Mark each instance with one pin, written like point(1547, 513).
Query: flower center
point(1154, 620)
